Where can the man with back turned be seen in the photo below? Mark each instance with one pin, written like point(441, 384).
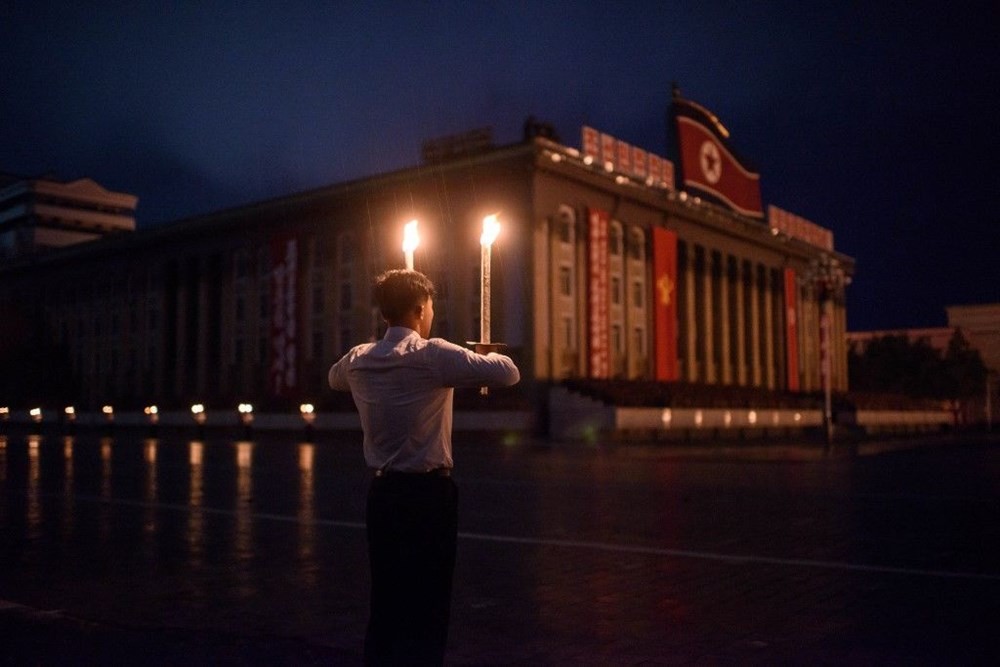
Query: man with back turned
point(403, 386)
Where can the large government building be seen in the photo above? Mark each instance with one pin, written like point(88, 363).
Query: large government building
point(613, 265)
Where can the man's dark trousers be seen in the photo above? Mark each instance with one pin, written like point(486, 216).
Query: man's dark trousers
point(412, 522)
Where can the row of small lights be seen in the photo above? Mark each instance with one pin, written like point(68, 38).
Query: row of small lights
point(306, 410)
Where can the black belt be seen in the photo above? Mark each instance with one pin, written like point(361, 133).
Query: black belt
point(436, 472)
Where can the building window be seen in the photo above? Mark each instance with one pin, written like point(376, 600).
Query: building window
point(615, 239)
point(616, 290)
point(637, 294)
point(616, 338)
point(568, 337)
point(636, 245)
point(566, 224)
point(565, 230)
point(566, 281)
point(639, 341)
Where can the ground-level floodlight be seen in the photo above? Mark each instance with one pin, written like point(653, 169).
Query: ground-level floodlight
point(199, 416)
point(308, 413)
point(246, 418)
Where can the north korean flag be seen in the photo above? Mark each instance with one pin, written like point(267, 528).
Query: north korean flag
point(708, 166)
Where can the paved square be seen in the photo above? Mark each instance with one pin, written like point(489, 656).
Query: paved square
point(227, 552)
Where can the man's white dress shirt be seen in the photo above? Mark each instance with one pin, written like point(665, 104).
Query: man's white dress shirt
point(403, 386)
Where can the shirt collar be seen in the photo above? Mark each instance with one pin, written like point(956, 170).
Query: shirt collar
point(399, 333)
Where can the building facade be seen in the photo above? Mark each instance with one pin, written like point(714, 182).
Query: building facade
point(38, 214)
point(600, 272)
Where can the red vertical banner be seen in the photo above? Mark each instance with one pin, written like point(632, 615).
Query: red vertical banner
point(598, 295)
point(665, 303)
point(792, 328)
point(284, 314)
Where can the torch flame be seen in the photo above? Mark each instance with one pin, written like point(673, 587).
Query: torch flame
point(491, 227)
point(410, 237)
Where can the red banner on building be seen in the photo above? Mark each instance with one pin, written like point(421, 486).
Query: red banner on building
point(284, 314)
point(598, 295)
point(620, 156)
point(665, 303)
point(799, 228)
point(609, 149)
point(624, 161)
point(591, 143)
point(707, 164)
point(639, 162)
point(792, 328)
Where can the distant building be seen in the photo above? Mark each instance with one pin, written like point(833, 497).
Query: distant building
point(979, 324)
point(604, 270)
point(936, 337)
point(39, 214)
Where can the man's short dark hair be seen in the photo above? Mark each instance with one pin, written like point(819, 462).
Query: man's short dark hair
point(400, 291)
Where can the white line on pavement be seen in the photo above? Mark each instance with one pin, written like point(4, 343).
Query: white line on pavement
point(734, 559)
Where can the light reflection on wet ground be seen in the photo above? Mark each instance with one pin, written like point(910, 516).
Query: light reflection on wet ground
point(566, 553)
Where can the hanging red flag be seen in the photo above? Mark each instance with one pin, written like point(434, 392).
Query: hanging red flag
point(665, 303)
point(707, 164)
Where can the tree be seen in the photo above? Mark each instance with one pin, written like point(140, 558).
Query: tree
point(965, 372)
point(897, 365)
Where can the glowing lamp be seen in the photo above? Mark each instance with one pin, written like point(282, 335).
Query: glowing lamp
point(308, 413)
point(198, 413)
point(246, 412)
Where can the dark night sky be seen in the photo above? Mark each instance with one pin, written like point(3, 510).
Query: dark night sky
point(876, 120)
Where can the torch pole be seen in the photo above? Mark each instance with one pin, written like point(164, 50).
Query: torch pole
point(490, 230)
point(484, 301)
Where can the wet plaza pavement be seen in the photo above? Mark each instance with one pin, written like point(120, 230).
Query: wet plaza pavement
point(130, 550)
